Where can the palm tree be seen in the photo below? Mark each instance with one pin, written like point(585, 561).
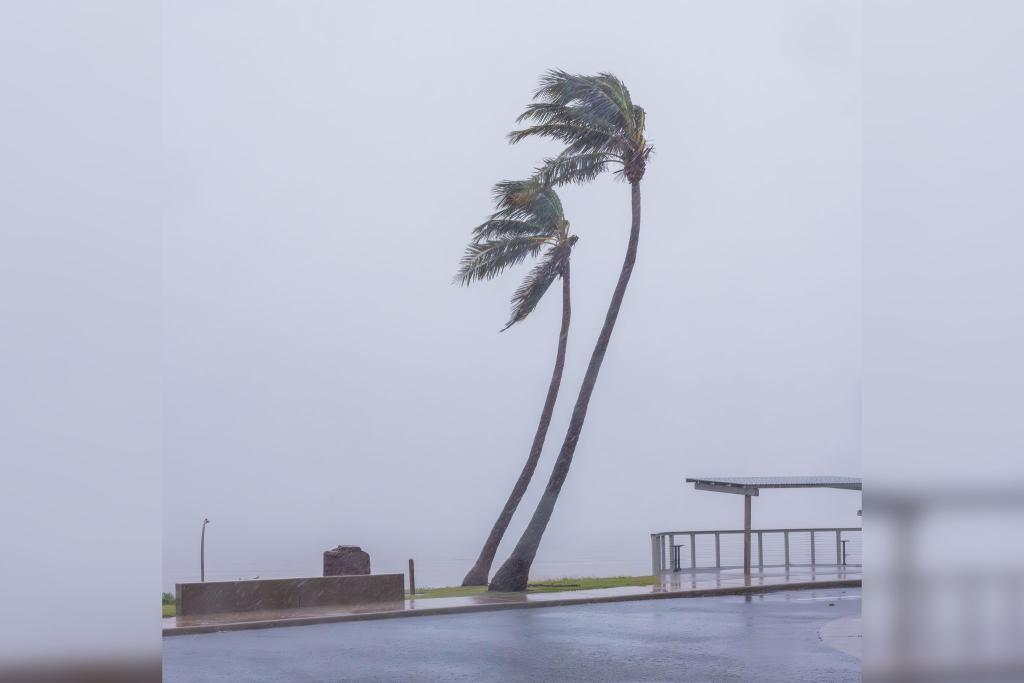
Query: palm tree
point(602, 129)
point(529, 219)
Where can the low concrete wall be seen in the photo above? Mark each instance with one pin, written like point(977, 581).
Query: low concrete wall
point(217, 597)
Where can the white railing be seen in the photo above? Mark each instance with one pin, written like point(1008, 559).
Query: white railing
point(723, 549)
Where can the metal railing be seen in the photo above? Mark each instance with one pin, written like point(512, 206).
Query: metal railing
point(723, 549)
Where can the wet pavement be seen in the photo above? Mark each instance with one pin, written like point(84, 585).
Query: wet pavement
point(846, 635)
point(675, 583)
point(765, 637)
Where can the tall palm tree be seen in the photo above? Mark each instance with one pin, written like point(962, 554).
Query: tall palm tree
point(529, 219)
point(602, 129)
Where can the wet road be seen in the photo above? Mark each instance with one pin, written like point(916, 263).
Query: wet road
point(771, 637)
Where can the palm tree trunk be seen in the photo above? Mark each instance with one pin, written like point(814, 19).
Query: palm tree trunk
point(514, 574)
point(477, 576)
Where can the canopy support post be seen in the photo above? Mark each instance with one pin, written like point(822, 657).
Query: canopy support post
point(746, 536)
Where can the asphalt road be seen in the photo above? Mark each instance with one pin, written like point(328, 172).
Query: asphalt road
point(771, 637)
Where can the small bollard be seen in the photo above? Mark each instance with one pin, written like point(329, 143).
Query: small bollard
point(412, 578)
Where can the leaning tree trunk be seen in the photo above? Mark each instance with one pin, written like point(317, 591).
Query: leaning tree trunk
point(514, 574)
point(477, 576)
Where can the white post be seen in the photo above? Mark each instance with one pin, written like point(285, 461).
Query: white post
point(746, 535)
point(760, 550)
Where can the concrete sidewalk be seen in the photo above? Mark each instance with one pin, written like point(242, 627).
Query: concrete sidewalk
point(674, 585)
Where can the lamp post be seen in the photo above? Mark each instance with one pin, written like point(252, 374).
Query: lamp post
point(202, 552)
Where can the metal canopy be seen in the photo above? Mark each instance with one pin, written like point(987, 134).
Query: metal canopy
point(751, 486)
point(748, 486)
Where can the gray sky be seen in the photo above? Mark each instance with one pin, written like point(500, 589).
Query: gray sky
point(324, 382)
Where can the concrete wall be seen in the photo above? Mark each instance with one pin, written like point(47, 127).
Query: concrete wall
point(215, 597)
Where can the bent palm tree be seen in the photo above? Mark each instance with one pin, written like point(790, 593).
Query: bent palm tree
point(529, 219)
point(602, 129)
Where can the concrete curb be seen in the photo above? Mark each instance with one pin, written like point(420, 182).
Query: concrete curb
point(464, 609)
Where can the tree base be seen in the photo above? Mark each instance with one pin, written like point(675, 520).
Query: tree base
point(477, 576)
point(512, 577)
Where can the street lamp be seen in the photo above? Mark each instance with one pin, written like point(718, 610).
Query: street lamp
point(202, 552)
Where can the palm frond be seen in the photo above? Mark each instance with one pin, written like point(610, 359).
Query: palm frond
point(566, 169)
point(486, 259)
point(529, 200)
point(542, 113)
point(640, 119)
point(538, 280)
point(586, 145)
point(617, 91)
point(499, 228)
point(565, 89)
point(581, 137)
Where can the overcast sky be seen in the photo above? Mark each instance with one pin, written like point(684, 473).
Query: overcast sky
point(325, 383)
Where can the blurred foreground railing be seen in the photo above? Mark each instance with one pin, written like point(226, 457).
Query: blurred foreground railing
point(723, 549)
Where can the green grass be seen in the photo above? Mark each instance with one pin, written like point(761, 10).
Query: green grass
point(547, 586)
point(170, 610)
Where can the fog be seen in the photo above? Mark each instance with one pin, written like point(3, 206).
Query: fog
point(325, 383)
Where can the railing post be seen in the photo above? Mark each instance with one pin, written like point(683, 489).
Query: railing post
point(785, 541)
point(760, 550)
point(673, 564)
point(812, 548)
point(839, 547)
point(718, 550)
point(693, 550)
point(746, 535)
point(655, 569)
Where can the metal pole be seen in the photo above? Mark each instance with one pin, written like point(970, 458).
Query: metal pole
point(785, 539)
point(746, 535)
point(202, 552)
point(718, 550)
point(760, 550)
point(412, 579)
point(812, 549)
point(839, 545)
point(655, 569)
point(693, 550)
